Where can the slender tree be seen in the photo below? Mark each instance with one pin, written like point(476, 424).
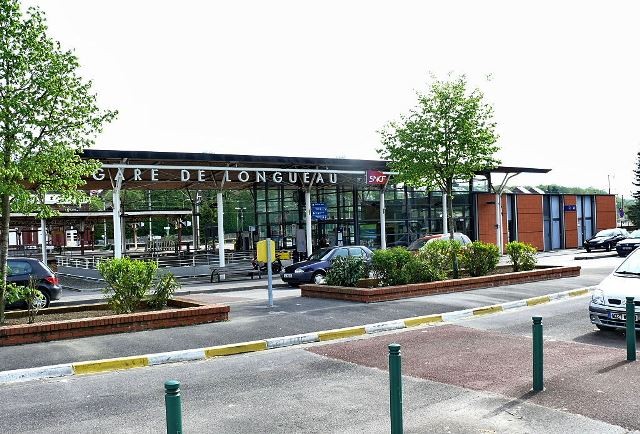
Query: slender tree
point(634, 208)
point(450, 135)
point(48, 115)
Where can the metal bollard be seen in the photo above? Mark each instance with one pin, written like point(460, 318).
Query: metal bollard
point(538, 367)
point(173, 406)
point(395, 388)
point(631, 330)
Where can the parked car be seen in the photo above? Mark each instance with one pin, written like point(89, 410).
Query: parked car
point(605, 239)
point(608, 301)
point(420, 242)
point(21, 269)
point(315, 268)
point(628, 245)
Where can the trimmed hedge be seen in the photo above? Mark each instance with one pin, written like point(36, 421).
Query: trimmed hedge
point(522, 256)
point(479, 259)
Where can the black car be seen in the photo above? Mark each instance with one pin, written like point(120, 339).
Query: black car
point(315, 268)
point(606, 239)
point(21, 269)
point(628, 245)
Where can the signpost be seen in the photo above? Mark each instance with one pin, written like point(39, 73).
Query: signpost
point(319, 211)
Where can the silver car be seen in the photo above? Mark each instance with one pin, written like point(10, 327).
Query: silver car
point(607, 309)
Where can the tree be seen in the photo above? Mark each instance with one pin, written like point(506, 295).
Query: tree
point(48, 115)
point(450, 135)
point(634, 208)
point(560, 189)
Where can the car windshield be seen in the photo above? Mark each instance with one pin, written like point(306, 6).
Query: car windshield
point(416, 245)
point(320, 255)
point(635, 234)
point(606, 233)
point(631, 265)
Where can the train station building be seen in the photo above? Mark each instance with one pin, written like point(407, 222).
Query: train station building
point(304, 203)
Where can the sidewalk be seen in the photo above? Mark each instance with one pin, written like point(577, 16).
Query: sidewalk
point(590, 380)
point(71, 297)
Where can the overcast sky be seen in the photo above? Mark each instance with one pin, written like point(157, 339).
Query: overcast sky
point(320, 78)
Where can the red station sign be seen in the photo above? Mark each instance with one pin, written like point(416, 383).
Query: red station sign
point(375, 177)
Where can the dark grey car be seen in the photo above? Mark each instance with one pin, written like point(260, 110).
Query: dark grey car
point(315, 268)
point(21, 269)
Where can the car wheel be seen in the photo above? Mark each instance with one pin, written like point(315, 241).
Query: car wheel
point(318, 278)
point(587, 249)
point(44, 302)
point(604, 328)
point(608, 248)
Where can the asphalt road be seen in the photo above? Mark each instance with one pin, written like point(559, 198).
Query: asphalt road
point(301, 390)
point(252, 320)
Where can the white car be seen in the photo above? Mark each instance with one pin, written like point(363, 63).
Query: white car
point(607, 309)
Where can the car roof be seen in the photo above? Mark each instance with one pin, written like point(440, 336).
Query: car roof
point(24, 259)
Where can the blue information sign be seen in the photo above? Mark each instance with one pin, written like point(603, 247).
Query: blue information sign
point(569, 207)
point(319, 211)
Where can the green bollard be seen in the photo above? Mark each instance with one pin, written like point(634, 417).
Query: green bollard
point(538, 366)
point(395, 388)
point(173, 406)
point(631, 330)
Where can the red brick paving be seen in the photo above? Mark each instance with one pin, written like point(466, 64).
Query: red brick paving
point(585, 379)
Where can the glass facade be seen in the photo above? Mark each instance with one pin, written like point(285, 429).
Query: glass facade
point(351, 215)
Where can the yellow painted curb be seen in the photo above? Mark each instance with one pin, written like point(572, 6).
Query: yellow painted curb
point(243, 347)
point(538, 300)
point(487, 310)
point(93, 367)
point(341, 333)
point(578, 292)
point(418, 320)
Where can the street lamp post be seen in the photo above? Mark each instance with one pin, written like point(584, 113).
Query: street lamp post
point(240, 218)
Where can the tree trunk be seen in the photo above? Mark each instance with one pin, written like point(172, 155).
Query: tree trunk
point(452, 228)
point(4, 250)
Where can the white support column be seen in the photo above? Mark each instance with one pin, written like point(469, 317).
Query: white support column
point(43, 239)
point(117, 221)
point(196, 224)
point(150, 226)
point(307, 206)
point(445, 214)
point(499, 223)
point(383, 222)
point(220, 229)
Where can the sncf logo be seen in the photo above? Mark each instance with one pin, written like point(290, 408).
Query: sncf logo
point(376, 178)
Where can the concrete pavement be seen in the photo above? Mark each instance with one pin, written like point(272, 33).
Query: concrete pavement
point(284, 391)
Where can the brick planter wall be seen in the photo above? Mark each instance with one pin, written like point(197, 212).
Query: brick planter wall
point(385, 293)
point(187, 313)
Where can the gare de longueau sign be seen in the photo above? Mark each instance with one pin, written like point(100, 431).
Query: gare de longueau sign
point(217, 175)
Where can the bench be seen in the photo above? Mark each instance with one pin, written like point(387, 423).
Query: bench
point(236, 269)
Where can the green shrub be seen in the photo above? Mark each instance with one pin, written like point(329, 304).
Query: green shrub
point(12, 294)
point(479, 259)
point(128, 281)
point(386, 265)
point(438, 255)
point(345, 271)
point(418, 271)
point(163, 290)
point(522, 256)
point(30, 295)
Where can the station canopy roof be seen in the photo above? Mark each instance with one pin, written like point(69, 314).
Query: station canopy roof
point(149, 170)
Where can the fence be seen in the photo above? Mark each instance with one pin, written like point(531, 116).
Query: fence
point(182, 266)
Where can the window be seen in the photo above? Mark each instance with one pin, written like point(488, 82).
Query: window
point(17, 268)
point(341, 253)
point(355, 251)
